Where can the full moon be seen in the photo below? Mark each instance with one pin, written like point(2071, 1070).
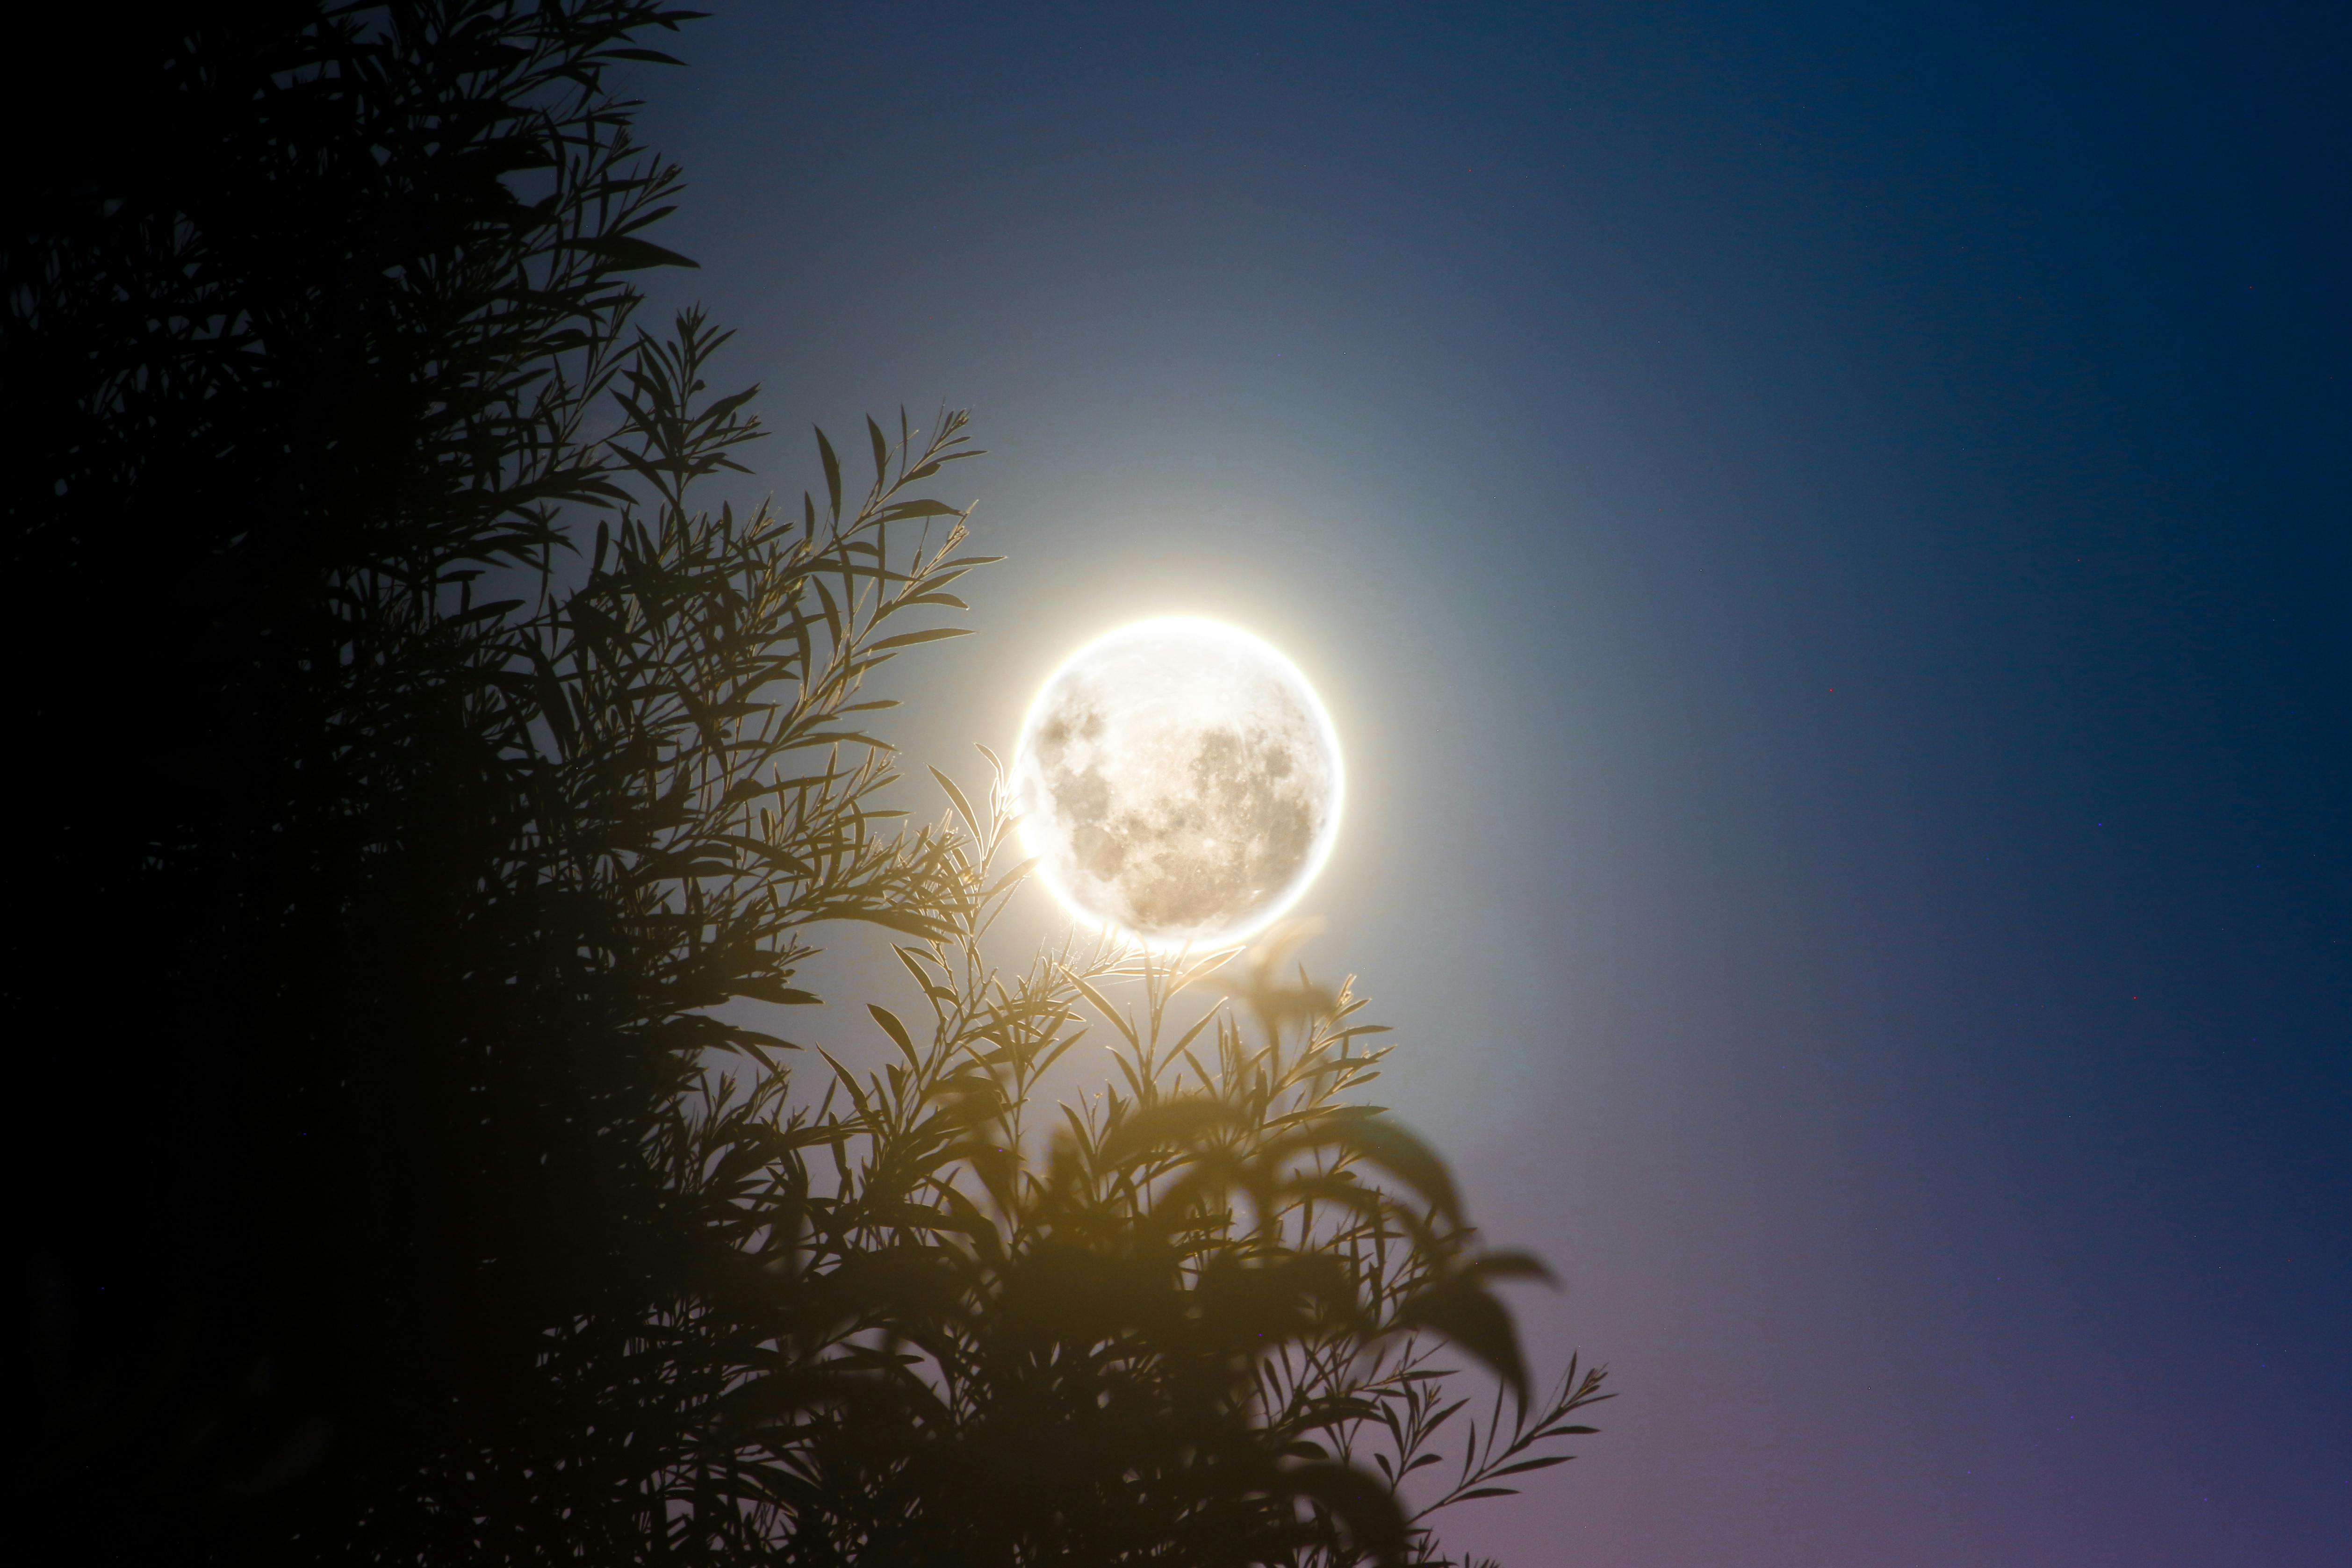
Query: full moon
point(1179, 783)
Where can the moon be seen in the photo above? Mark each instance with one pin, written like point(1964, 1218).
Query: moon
point(1179, 782)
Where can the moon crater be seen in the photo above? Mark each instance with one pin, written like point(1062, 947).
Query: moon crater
point(1180, 781)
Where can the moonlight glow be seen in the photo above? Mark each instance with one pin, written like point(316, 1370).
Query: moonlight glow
point(1179, 782)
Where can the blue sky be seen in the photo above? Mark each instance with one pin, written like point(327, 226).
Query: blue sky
point(1821, 528)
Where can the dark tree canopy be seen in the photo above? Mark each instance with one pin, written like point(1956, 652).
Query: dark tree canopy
point(420, 787)
point(303, 320)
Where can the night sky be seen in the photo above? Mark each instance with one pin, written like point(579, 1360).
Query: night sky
point(1823, 529)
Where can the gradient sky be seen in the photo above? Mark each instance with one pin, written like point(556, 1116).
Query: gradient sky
point(1823, 529)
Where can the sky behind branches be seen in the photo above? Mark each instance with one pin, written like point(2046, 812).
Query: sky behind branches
point(1822, 531)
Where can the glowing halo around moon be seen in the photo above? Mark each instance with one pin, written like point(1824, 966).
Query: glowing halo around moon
point(1179, 783)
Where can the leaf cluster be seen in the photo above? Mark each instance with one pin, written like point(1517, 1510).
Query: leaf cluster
point(1195, 1319)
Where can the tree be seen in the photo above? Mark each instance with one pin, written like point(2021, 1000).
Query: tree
point(451, 777)
point(303, 320)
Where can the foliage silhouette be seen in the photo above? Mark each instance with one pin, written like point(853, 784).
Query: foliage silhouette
point(451, 783)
